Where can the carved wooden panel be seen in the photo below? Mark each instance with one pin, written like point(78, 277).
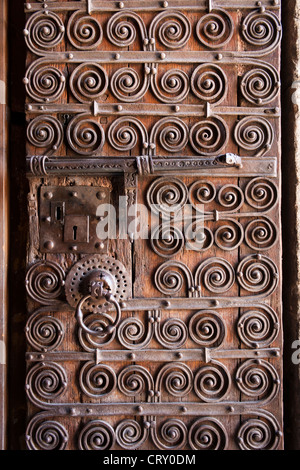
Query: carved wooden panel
point(170, 340)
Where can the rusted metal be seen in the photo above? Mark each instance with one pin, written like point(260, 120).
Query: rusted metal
point(172, 104)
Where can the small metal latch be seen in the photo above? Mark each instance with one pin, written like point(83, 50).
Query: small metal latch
point(231, 159)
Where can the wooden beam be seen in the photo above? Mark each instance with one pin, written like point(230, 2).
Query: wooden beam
point(3, 220)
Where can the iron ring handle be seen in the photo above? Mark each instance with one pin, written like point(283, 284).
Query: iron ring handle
point(108, 329)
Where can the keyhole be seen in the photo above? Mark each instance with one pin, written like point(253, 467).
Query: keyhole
point(74, 232)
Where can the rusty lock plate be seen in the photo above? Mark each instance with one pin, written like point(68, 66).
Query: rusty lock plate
point(68, 219)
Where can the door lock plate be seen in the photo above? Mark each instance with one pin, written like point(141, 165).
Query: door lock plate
point(68, 219)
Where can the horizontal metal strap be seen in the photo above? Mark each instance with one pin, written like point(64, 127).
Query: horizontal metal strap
point(202, 166)
point(151, 5)
point(153, 57)
point(152, 355)
point(150, 109)
point(151, 409)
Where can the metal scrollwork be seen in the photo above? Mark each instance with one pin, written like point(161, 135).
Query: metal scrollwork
point(127, 86)
point(209, 83)
point(172, 87)
point(258, 274)
point(167, 195)
point(170, 133)
point(130, 434)
point(85, 135)
point(261, 29)
point(136, 380)
point(176, 379)
point(45, 132)
point(44, 83)
point(172, 29)
point(258, 328)
point(97, 380)
point(122, 28)
point(254, 134)
point(208, 137)
point(88, 82)
point(262, 433)
point(44, 332)
point(260, 86)
point(45, 281)
point(257, 379)
point(215, 29)
point(208, 434)
point(261, 234)
point(207, 329)
point(261, 194)
point(96, 435)
point(46, 382)
point(216, 275)
point(212, 382)
point(98, 324)
point(84, 31)
point(43, 434)
point(171, 434)
point(43, 32)
point(126, 133)
point(172, 277)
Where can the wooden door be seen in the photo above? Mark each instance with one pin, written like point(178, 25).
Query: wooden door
point(174, 340)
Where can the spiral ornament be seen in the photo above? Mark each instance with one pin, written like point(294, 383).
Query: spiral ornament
point(258, 275)
point(97, 380)
point(254, 134)
point(260, 86)
point(171, 28)
point(262, 30)
point(44, 332)
point(123, 28)
point(207, 329)
point(261, 194)
point(216, 275)
point(127, 86)
point(208, 434)
point(212, 382)
point(100, 323)
point(42, 434)
point(215, 29)
point(258, 328)
point(172, 277)
point(257, 379)
point(44, 32)
point(171, 134)
point(88, 82)
point(261, 234)
point(46, 382)
point(84, 32)
point(45, 132)
point(171, 434)
point(44, 282)
point(259, 434)
point(96, 435)
point(209, 83)
point(130, 435)
point(167, 241)
point(85, 135)
point(44, 83)
point(167, 196)
point(126, 133)
point(135, 380)
point(209, 136)
point(176, 379)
